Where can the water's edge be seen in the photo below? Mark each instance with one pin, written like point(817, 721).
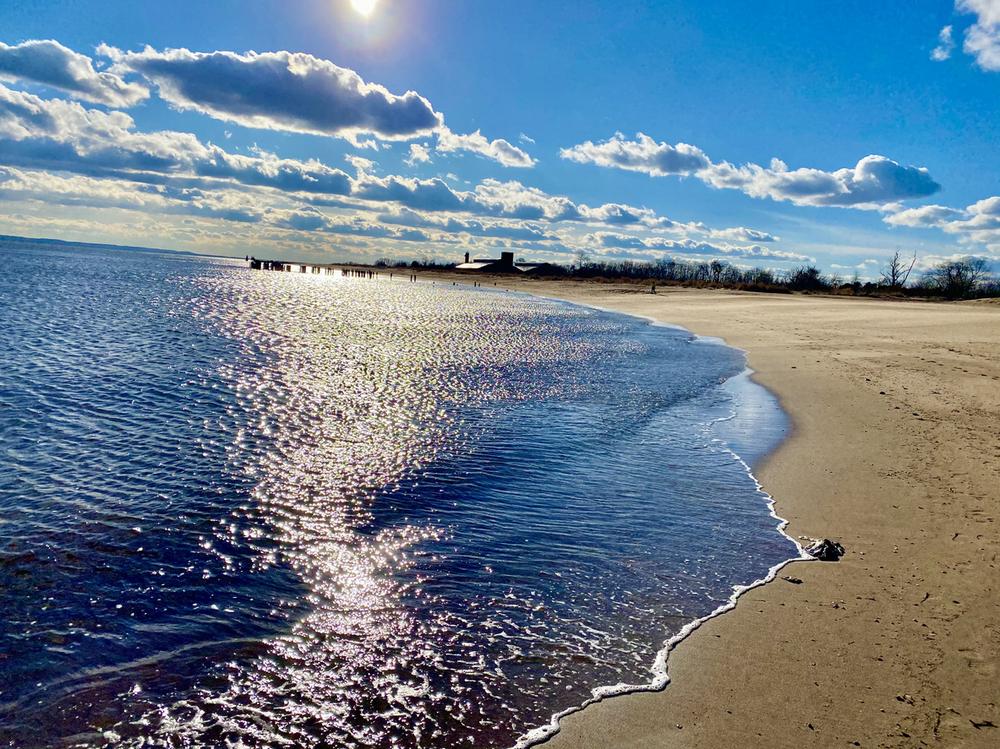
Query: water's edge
point(659, 670)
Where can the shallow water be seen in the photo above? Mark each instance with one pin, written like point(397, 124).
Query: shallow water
point(269, 509)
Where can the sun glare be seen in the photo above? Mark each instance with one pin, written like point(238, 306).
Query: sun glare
point(364, 7)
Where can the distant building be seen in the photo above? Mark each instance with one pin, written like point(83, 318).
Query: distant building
point(505, 264)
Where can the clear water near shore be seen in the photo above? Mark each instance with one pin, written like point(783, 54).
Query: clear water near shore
point(271, 509)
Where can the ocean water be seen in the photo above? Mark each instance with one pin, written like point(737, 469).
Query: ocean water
point(245, 508)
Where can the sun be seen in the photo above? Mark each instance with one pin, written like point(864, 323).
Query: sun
point(364, 7)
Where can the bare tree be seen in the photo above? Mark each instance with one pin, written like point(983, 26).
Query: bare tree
point(958, 278)
point(896, 272)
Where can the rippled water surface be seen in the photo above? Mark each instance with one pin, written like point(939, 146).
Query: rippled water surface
point(264, 509)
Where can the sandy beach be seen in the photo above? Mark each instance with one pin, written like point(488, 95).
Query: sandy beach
point(283, 465)
point(896, 454)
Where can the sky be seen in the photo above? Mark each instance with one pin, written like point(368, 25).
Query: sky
point(767, 134)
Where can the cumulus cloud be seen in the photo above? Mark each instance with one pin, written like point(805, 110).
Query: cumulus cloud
point(518, 231)
point(499, 150)
point(297, 92)
point(511, 198)
point(616, 214)
point(280, 91)
point(422, 194)
point(225, 204)
point(48, 62)
point(311, 220)
point(945, 47)
point(419, 154)
point(982, 38)
point(690, 246)
point(742, 234)
point(78, 190)
point(57, 189)
point(98, 158)
point(924, 216)
point(978, 223)
point(63, 135)
point(640, 155)
point(283, 213)
point(514, 200)
point(874, 182)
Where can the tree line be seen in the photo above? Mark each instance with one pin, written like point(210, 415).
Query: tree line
point(964, 278)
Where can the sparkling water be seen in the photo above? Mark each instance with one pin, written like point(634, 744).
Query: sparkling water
point(253, 508)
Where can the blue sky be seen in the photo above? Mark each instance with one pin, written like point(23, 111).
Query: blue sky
point(763, 134)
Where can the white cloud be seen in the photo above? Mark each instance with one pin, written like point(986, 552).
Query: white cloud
point(925, 215)
point(508, 230)
point(616, 214)
point(875, 182)
point(78, 190)
point(982, 39)
point(312, 220)
point(499, 150)
point(978, 223)
point(60, 152)
point(421, 194)
point(48, 62)
point(297, 92)
point(742, 234)
point(520, 201)
point(690, 246)
point(360, 163)
point(526, 139)
point(419, 154)
point(945, 47)
point(640, 155)
point(63, 135)
point(291, 91)
point(272, 216)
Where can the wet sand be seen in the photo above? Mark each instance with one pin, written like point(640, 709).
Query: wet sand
point(896, 454)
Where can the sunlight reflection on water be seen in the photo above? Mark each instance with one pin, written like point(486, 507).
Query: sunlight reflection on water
point(392, 515)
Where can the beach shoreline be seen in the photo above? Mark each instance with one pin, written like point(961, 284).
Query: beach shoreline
point(659, 676)
point(895, 452)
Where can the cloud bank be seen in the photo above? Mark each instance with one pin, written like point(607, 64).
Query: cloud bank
point(60, 135)
point(60, 152)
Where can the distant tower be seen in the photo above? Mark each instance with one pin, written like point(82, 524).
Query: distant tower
point(466, 257)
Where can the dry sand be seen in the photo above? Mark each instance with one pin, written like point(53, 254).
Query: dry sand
point(895, 453)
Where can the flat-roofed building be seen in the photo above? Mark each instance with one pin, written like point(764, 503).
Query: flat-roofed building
point(505, 264)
